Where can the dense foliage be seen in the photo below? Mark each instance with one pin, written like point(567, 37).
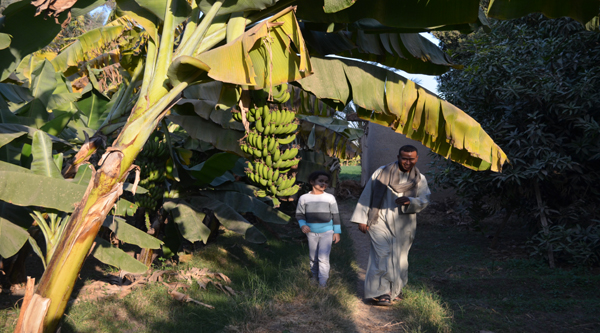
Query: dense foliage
point(533, 83)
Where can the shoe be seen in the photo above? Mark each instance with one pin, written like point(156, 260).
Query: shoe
point(384, 300)
point(314, 281)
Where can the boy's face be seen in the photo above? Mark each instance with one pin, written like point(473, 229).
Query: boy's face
point(320, 183)
point(407, 160)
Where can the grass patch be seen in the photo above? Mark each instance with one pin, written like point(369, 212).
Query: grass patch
point(271, 280)
point(350, 172)
point(423, 310)
point(458, 284)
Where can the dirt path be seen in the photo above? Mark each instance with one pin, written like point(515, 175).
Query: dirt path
point(367, 317)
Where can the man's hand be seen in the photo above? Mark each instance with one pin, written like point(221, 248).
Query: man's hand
point(336, 238)
point(403, 201)
point(363, 227)
point(305, 229)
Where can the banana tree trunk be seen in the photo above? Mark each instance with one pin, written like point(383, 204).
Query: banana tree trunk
point(103, 191)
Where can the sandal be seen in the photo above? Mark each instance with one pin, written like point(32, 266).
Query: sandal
point(384, 300)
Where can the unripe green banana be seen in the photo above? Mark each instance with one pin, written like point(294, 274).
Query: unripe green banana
point(270, 174)
point(263, 181)
point(266, 115)
point(288, 139)
point(272, 142)
point(277, 156)
point(259, 142)
point(269, 160)
point(237, 116)
point(275, 147)
point(259, 126)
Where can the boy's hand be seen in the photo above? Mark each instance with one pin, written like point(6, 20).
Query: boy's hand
point(305, 229)
point(336, 238)
point(363, 227)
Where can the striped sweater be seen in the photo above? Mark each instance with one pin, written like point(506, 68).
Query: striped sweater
point(319, 212)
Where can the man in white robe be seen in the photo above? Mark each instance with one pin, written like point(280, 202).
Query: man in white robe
point(387, 211)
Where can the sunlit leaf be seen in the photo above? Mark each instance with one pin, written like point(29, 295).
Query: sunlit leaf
point(391, 100)
point(271, 53)
point(16, 184)
point(43, 163)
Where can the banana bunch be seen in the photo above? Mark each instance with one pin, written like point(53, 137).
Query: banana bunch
point(270, 162)
point(154, 148)
point(281, 94)
point(151, 161)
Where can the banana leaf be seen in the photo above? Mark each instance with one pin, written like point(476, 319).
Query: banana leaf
point(215, 166)
point(245, 203)
point(43, 163)
point(130, 234)
point(114, 256)
point(190, 221)
point(31, 33)
point(42, 86)
point(207, 131)
point(180, 9)
point(16, 184)
point(4, 41)
point(12, 238)
point(86, 47)
point(263, 56)
point(412, 53)
point(416, 15)
point(391, 100)
point(330, 136)
point(229, 218)
point(233, 6)
point(15, 130)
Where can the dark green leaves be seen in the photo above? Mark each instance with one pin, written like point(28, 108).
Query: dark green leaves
point(114, 256)
point(581, 10)
point(130, 234)
point(413, 14)
point(12, 238)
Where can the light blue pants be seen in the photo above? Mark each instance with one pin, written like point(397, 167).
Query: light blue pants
point(319, 247)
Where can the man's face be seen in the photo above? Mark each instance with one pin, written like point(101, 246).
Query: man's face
point(407, 160)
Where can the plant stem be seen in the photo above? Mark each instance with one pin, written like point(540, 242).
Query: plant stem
point(158, 86)
point(190, 47)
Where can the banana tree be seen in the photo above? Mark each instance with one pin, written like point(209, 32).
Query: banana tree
point(264, 48)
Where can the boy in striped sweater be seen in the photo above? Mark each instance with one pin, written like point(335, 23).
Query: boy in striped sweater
point(319, 218)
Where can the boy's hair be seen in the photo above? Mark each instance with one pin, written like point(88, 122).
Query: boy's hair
point(313, 176)
point(408, 149)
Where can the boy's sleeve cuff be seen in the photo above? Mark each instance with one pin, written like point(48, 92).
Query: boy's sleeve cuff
point(337, 229)
point(302, 223)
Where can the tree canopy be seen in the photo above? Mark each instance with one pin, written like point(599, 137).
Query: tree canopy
point(533, 83)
